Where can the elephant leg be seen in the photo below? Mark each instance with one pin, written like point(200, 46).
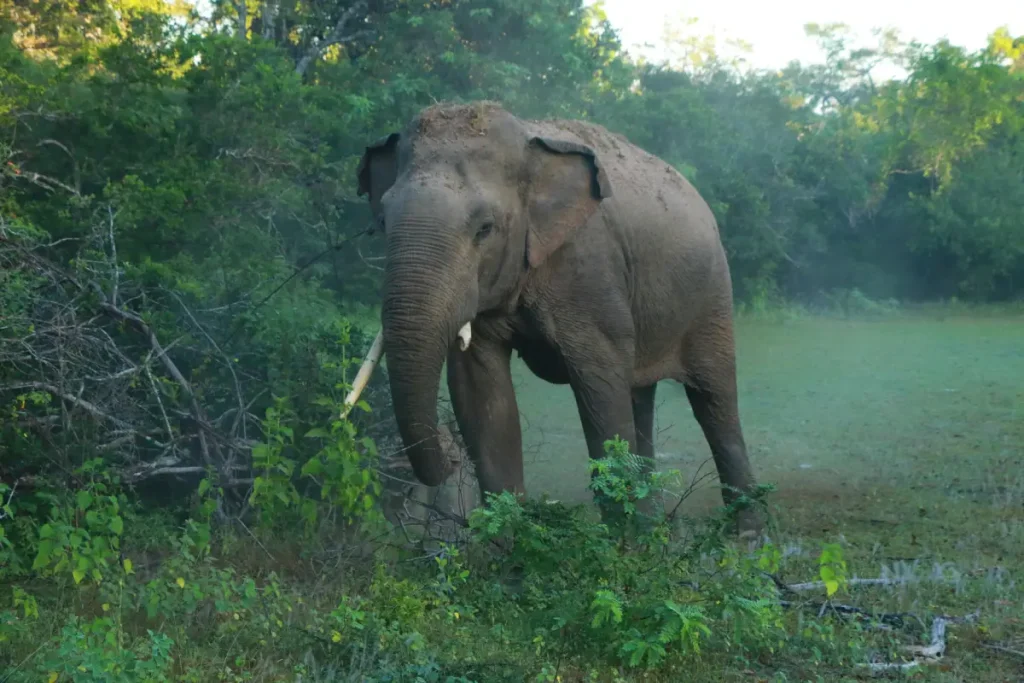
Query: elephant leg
point(643, 418)
point(480, 383)
point(600, 380)
point(603, 398)
point(711, 389)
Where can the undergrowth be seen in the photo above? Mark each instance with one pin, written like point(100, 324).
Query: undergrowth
point(535, 590)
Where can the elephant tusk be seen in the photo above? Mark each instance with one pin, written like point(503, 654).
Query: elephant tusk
point(373, 357)
point(465, 335)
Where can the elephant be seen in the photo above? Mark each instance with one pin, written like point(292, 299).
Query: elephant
point(596, 262)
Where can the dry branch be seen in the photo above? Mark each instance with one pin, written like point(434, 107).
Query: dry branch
point(341, 33)
point(929, 654)
point(365, 372)
point(1003, 648)
point(820, 585)
point(66, 338)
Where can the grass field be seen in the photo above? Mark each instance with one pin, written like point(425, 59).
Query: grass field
point(902, 437)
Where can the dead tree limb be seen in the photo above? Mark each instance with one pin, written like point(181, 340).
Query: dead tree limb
point(341, 33)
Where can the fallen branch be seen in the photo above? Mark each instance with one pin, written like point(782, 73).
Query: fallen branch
point(169, 465)
point(85, 405)
point(1003, 648)
point(929, 654)
point(894, 619)
point(820, 585)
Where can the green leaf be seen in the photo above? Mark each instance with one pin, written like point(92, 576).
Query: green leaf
point(83, 499)
point(43, 554)
point(312, 468)
point(78, 575)
point(117, 525)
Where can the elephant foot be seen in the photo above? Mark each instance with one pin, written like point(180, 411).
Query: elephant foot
point(749, 523)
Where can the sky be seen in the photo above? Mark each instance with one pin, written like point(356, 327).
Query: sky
point(774, 28)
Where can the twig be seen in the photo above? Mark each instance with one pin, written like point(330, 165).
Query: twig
point(227, 362)
point(10, 497)
point(337, 36)
point(298, 271)
point(820, 585)
point(85, 405)
point(113, 254)
point(172, 369)
point(694, 482)
point(892, 618)
point(159, 401)
point(249, 531)
point(10, 674)
point(1003, 648)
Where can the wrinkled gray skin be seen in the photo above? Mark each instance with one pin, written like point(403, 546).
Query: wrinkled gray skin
point(596, 262)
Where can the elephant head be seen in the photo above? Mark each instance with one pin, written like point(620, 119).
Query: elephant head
point(470, 202)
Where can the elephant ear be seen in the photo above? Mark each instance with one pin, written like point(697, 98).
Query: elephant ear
point(566, 186)
point(378, 169)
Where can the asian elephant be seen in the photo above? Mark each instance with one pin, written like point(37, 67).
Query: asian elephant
point(596, 262)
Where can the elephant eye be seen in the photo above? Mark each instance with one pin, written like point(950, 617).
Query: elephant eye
point(484, 230)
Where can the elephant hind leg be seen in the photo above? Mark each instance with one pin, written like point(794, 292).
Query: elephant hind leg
point(711, 389)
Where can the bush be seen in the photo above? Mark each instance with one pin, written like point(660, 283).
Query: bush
point(537, 588)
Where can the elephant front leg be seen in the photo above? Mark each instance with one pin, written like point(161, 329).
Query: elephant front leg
point(480, 383)
point(606, 412)
point(601, 385)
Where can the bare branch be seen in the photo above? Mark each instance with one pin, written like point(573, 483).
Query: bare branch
point(337, 36)
point(929, 654)
point(820, 585)
point(1003, 648)
point(159, 401)
point(88, 407)
point(227, 362)
point(47, 183)
point(10, 498)
point(113, 253)
point(197, 412)
point(74, 162)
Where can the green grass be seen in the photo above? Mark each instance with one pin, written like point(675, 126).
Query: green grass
point(901, 436)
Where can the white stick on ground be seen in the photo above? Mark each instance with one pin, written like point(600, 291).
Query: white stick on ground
point(820, 585)
point(465, 335)
point(929, 654)
point(365, 371)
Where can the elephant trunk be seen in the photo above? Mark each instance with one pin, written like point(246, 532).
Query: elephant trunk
point(423, 310)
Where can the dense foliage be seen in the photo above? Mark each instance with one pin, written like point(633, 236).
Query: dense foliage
point(185, 284)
